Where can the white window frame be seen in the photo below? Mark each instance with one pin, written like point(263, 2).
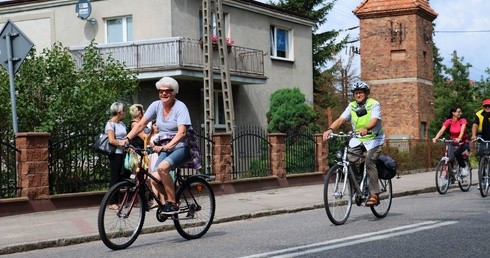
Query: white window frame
point(274, 45)
point(214, 25)
point(127, 28)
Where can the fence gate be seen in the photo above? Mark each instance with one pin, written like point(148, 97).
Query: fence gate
point(300, 153)
point(250, 153)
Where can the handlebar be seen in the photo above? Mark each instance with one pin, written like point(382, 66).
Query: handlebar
point(445, 140)
point(481, 140)
point(343, 135)
point(139, 151)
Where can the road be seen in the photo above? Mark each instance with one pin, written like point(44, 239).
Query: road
point(428, 225)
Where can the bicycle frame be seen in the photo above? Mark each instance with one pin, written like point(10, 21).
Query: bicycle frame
point(347, 167)
point(139, 178)
point(123, 209)
point(445, 174)
point(338, 198)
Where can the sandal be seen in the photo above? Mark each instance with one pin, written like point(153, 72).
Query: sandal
point(373, 200)
point(114, 207)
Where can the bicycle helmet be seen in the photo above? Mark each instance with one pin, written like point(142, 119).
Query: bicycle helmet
point(486, 102)
point(359, 86)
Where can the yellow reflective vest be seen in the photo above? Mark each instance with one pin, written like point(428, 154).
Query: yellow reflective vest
point(360, 122)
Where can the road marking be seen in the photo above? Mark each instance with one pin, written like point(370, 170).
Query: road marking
point(354, 240)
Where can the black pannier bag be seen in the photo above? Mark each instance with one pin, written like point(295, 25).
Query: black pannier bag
point(386, 167)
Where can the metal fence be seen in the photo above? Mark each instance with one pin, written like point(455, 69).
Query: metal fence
point(300, 153)
point(170, 53)
point(251, 152)
point(73, 165)
point(8, 166)
point(414, 154)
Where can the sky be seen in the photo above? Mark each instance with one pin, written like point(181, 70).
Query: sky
point(461, 25)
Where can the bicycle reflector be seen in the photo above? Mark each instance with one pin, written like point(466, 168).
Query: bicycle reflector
point(199, 188)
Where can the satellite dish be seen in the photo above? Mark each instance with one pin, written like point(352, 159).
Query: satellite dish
point(83, 9)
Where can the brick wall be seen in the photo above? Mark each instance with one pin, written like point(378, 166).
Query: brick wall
point(396, 61)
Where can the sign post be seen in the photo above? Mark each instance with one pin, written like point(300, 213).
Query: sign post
point(14, 47)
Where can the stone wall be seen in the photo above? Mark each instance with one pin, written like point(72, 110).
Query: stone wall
point(396, 61)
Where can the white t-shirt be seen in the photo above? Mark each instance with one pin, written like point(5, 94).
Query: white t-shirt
point(119, 132)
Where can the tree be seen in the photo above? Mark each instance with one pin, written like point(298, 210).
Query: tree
point(482, 87)
point(452, 87)
point(325, 47)
point(53, 94)
point(289, 112)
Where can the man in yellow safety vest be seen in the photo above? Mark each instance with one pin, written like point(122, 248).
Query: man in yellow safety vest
point(364, 113)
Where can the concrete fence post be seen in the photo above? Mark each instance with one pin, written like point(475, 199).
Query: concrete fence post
point(33, 175)
point(321, 154)
point(222, 156)
point(278, 154)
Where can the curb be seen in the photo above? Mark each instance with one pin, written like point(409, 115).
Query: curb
point(24, 247)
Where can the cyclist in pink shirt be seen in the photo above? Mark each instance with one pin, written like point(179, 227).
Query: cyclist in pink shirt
point(457, 131)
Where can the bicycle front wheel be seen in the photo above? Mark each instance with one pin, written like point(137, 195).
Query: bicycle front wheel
point(464, 182)
point(483, 182)
point(443, 176)
point(197, 207)
point(121, 215)
point(337, 195)
point(385, 198)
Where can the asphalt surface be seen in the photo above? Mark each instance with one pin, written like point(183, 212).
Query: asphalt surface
point(19, 233)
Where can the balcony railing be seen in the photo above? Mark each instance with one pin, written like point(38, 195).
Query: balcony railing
point(176, 53)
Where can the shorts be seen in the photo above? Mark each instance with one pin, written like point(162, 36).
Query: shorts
point(176, 158)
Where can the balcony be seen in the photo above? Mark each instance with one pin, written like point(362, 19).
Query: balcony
point(180, 54)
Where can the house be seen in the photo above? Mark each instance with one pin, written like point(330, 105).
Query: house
point(269, 48)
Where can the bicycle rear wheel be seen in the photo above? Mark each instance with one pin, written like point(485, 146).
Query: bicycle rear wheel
point(120, 226)
point(483, 180)
point(464, 182)
point(197, 207)
point(337, 195)
point(443, 176)
point(385, 198)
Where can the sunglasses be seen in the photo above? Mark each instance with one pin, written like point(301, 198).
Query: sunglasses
point(167, 91)
point(486, 106)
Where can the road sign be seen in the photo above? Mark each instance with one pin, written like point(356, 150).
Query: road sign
point(19, 44)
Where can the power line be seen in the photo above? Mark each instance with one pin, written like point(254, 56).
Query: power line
point(462, 31)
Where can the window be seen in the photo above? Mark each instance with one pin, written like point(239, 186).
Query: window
point(214, 24)
point(119, 29)
point(423, 130)
point(219, 110)
point(280, 42)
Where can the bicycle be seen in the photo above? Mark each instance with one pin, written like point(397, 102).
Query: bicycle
point(445, 174)
point(341, 180)
point(120, 227)
point(483, 166)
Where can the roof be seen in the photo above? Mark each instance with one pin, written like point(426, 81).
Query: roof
point(380, 8)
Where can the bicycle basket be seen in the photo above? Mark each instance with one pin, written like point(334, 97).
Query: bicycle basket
point(483, 148)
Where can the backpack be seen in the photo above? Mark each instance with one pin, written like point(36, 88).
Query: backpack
point(386, 167)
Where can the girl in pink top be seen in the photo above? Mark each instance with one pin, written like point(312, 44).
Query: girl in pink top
point(457, 131)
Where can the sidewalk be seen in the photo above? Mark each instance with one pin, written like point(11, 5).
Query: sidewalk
point(64, 227)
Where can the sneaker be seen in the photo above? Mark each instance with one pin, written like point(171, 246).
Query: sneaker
point(170, 208)
point(465, 171)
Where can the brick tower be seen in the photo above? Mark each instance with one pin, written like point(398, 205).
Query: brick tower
point(396, 62)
